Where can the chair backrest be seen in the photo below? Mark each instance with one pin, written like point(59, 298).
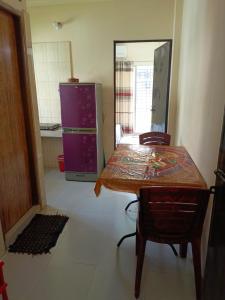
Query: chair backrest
point(172, 215)
point(154, 138)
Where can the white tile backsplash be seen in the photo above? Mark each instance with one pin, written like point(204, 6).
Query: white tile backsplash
point(52, 65)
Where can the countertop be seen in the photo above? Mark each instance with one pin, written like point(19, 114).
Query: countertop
point(52, 133)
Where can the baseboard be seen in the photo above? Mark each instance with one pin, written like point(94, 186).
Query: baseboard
point(12, 234)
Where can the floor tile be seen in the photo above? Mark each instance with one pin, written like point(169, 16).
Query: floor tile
point(63, 280)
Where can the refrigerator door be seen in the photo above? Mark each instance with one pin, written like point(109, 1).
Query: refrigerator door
point(80, 156)
point(78, 107)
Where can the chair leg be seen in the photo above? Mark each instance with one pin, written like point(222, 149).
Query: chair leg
point(4, 295)
point(140, 261)
point(174, 249)
point(137, 243)
point(3, 285)
point(183, 250)
point(128, 205)
point(125, 237)
point(196, 250)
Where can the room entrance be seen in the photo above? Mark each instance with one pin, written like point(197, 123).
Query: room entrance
point(141, 90)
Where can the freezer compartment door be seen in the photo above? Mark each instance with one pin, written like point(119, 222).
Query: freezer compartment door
point(78, 106)
point(80, 152)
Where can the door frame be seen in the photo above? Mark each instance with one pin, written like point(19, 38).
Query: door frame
point(115, 42)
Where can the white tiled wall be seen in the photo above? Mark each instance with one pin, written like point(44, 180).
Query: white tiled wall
point(52, 64)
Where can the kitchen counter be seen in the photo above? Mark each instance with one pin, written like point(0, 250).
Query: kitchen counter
point(51, 147)
point(52, 133)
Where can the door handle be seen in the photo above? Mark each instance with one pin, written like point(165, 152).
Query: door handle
point(220, 173)
point(153, 108)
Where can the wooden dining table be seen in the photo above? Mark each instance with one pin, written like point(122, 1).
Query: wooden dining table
point(134, 166)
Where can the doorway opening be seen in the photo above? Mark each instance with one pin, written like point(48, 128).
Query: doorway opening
point(141, 88)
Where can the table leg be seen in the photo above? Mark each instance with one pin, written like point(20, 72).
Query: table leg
point(128, 205)
point(174, 249)
point(124, 237)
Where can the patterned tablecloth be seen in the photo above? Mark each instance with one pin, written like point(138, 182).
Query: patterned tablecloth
point(134, 166)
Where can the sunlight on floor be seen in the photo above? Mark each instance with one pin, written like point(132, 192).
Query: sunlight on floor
point(130, 139)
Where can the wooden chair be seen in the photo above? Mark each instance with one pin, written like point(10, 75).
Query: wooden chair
point(171, 216)
point(154, 138)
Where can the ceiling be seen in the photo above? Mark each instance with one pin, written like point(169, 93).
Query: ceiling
point(32, 3)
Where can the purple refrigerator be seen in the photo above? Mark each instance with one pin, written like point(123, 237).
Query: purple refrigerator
point(81, 112)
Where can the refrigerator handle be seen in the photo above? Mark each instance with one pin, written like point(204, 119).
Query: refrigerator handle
point(78, 130)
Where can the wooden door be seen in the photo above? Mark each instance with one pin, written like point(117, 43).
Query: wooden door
point(15, 182)
point(214, 274)
point(161, 79)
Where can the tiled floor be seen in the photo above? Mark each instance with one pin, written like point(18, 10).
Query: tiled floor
point(130, 139)
point(85, 264)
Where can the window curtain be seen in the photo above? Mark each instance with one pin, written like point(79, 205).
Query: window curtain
point(124, 96)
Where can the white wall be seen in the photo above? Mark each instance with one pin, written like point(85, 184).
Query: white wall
point(173, 103)
point(15, 4)
point(92, 28)
point(142, 52)
point(201, 85)
point(201, 88)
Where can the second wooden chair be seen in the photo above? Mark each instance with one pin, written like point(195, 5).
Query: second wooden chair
point(152, 138)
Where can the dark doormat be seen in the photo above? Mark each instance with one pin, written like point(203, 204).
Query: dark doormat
point(40, 235)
